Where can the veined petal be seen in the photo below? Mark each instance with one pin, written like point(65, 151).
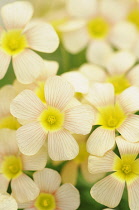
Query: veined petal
point(24, 189)
point(101, 95)
point(93, 72)
point(101, 164)
point(48, 180)
point(120, 62)
point(35, 162)
point(129, 99)
point(108, 191)
point(16, 15)
point(4, 182)
point(98, 52)
point(27, 106)
point(62, 146)
point(26, 206)
point(133, 75)
point(58, 92)
point(103, 137)
point(69, 172)
point(130, 128)
point(5, 61)
point(8, 143)
point(7, 201)
point(41, 36)
point(27, 66)
point(126, 147)
point(133, 194)
point(79, 119)
point(30, 138)
point(78, 81)
point(67, 197)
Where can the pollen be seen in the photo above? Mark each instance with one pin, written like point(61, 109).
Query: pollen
point(98, 28)
point(45, 201)
point(51, 119)
point(13, 42)
point(111, 117)
point(119, 82)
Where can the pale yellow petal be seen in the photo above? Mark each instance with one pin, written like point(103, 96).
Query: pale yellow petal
point(133, 194)
point(133, 76)
point(5, 61)
point(4, 182)
point(7, 202)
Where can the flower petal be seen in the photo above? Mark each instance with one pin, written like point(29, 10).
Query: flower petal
point(58, 92)
point(27, 66)
point(133, 76)
point(130, 128)
point(129, 99)
point(42, 37)
point(98, 52)
point(5, 61)
point(51, 68)
point(133, 194)
point(108, 191)
point(35, 162)
point(103, 137)
point(69, 173)
point(67, 197)
point(30, 138)
point(48, 180)
point(24, 189)
point(7, 201)
point(4, 182)
point(79, 119)
point(62, 146)
point(120, 62)
point(101, 95)
point(17, 14)
point(27, 106)
point(101, 164)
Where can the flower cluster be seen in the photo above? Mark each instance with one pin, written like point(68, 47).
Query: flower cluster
point(69, 113)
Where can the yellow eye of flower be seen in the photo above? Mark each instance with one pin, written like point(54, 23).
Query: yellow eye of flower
point(51, 119)
point(126, 168)
point(133, 17)
point(45, 201)
point(12, 166)
point(9, 122)
point(40, 91)
point(119, 82)
point(98, 28)
point(111, 117)
point(13, 42)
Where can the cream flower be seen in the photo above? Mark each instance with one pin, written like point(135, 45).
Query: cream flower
point(7, 202)
point(19, 37)
point(52, 195)
point(53, 120)
point(113, 114)
point(109, 190)
point(70, 170)
point(12, 167)
point(7, 94)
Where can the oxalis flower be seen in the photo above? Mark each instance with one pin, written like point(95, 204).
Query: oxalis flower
point(18, 37)
point(7, 202)
point(109, 190)
point(13, 164)
point(113, 114)
point(53, 196)
point(53, 120)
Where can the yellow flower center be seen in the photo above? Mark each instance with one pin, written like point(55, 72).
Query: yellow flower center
point(9, 122)
point(51, 119)
point(45, 201)
point(133, 17)
point(98, 28)
point(11, 166)
point(13, 42)
point(126, 168)
point(119, 82)
point(83, 154)
point(40, 91)
point(111, 117)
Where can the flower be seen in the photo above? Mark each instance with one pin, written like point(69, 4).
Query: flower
point(7, 201)
point(19, 37)
point(52, 195)
point(113, 114)
point(13, 164)
point(7, 94)
point(125, 168)
point(53, 120)
point(70, 170)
